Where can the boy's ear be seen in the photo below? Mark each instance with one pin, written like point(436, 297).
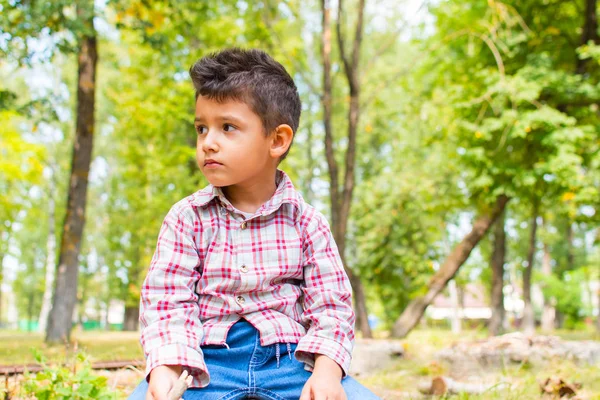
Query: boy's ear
point(281, 139)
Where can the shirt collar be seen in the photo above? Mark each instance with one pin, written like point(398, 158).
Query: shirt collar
point(284, 194)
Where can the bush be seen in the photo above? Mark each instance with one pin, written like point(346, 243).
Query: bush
point(75, 381)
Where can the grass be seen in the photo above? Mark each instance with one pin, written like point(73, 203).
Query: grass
point(15, 347)
point(397, 382)
point(521, 381)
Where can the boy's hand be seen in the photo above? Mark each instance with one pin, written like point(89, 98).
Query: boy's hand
point(325, 382)
point(162, 379)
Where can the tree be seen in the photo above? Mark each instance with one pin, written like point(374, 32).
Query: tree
point(516, 125)
point(151, 149)
point(497, 264)
point(65, 291)
point(30, 229)
point(341, 196)
point(528, 323)
point(20, 169)
point(414, 311)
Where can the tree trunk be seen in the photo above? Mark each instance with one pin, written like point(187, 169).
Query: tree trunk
point(2, 255)
point(341, 200)
point(497, 263)
point(82, 296)
point(589, 32)
point(570, 253)
point(514, 296)
point(528, 323)
point(549, 312)
point(132, 315)
point(456, 307)
point(559, 319)
point(50, 265)
point(310, 194)
point(65, 291)
point(597, 287)
point(598, 305)
point(414, 311)
point(105, 316)
point(4, 238)
point(30, 301)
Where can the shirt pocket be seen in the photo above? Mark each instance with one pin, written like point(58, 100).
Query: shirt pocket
point(282, 261)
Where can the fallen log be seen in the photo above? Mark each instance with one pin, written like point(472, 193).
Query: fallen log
point(517, 348)
point(442, 385)
point(10, 370)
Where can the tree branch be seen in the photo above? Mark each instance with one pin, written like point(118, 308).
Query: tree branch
point(326, 101)
point(340, 39)
point(299, 68)
point(392, 39)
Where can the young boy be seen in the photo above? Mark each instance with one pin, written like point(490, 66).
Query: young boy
point(246, 290)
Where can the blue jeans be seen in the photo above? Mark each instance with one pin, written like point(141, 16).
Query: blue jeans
point(248, 370)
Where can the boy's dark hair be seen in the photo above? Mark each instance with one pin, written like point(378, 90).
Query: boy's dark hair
point(251, 76)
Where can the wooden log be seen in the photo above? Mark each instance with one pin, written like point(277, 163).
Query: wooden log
point(441, 385)
point(33, 368)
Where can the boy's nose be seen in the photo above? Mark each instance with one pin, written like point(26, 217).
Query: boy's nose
point(209, 143)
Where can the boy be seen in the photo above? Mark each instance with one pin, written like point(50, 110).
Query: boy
point(246, 273)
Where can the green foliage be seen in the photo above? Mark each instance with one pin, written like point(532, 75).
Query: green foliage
point(567, 292)
point(76, 381)
point(485, 101)
point(61, 21)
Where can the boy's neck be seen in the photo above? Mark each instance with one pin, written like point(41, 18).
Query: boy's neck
point(249, 196)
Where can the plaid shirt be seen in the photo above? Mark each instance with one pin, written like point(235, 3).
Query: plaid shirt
point(279, 269)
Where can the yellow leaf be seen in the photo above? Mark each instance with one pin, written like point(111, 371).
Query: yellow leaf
point(368, 128)
point(157, 19)
point(527, 129)
point(568, 196)
point(478, 135)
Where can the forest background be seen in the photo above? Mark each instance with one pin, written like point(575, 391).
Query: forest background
point(444, 140)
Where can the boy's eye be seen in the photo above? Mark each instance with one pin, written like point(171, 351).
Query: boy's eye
point(200, 129)
point(228, 127)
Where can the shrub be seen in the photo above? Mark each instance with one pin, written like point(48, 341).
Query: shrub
point(75, 381)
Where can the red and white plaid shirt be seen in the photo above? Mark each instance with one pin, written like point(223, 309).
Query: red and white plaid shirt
point(279, 269)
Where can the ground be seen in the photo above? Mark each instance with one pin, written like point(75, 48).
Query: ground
point(397, 381)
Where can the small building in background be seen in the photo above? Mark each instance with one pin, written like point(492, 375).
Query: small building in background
point(471, 303)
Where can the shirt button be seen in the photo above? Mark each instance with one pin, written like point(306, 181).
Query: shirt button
point(240, 300)
point(243, 268)
point(243, 225)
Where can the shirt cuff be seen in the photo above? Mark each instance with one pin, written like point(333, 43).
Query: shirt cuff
point(179, 354)
point(311, 345)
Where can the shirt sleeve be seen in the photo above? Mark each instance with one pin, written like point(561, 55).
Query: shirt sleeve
point(327, 300)
point(171, 331)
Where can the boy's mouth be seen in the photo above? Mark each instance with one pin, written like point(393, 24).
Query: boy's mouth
point(210, 162)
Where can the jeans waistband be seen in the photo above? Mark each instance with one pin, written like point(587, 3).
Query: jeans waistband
point(246, 327)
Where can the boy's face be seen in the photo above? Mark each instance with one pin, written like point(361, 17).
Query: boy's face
point(232, 147)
